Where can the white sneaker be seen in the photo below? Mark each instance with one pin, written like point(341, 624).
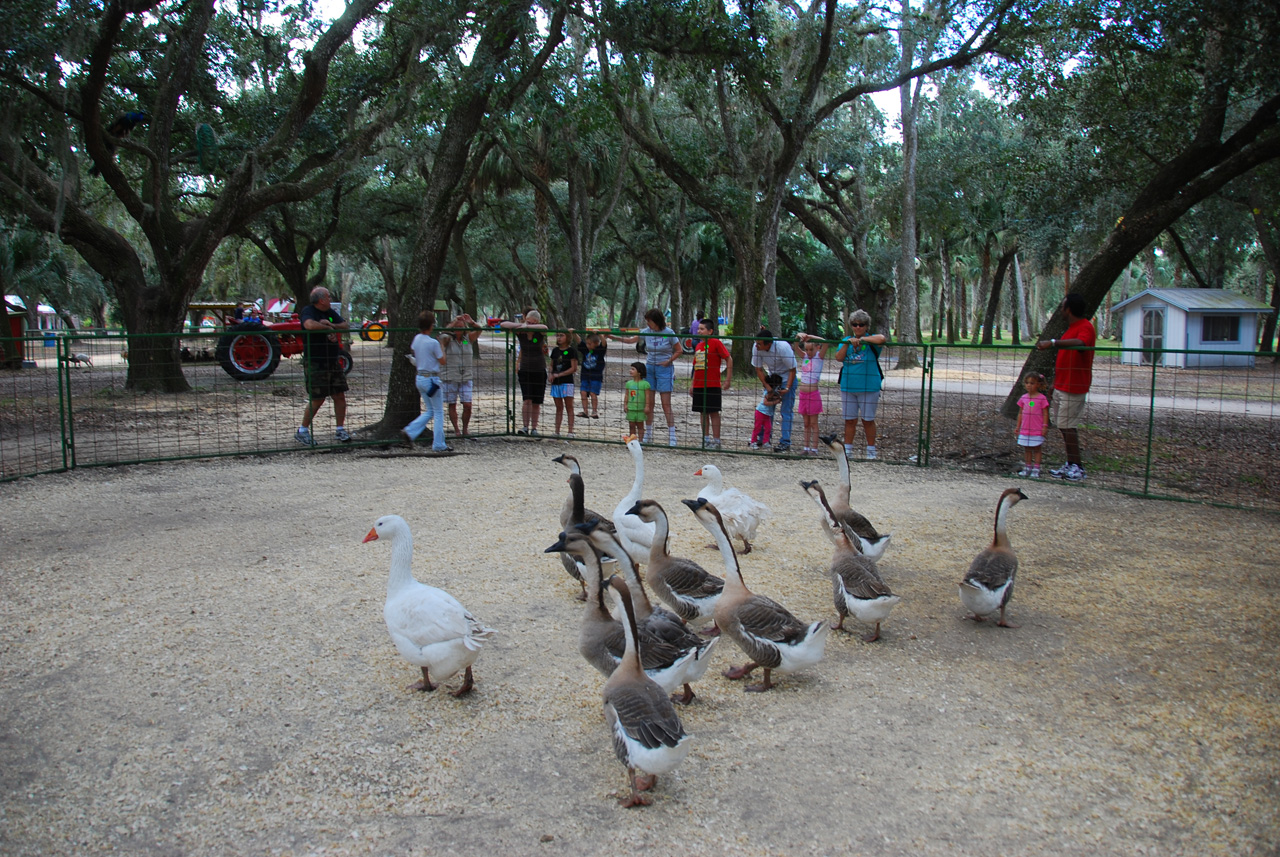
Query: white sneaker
point(1024, 471)
point(1075, 473)
point(671, 440)
point(1059, 472)
point(303, 436)
point(871, 453)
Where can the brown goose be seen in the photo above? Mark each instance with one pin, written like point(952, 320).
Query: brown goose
point(873, 542)
point(658, 622)
point(601, 641)
point(576, 512)
point(770, 636)
point(857, 585)
point(646, 730)
point(686, 587)
point(988, 585)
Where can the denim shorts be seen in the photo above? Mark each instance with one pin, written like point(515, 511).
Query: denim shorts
point(661, 378)
point(592, 385)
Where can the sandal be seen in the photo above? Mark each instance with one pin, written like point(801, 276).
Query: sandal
point(583, 414)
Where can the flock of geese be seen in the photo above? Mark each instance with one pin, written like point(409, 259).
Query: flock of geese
point(651, 654)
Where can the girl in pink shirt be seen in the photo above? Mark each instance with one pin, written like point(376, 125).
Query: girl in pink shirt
point(1033, 419)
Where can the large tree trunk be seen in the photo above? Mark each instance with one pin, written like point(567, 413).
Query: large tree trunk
point(993, 302)
point(908, 281)
point(1271, 251)
point(981, 291)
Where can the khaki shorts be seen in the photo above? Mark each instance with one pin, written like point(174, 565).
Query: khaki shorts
point(1068, 408)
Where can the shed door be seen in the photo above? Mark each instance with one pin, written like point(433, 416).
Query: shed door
point(1152, 333)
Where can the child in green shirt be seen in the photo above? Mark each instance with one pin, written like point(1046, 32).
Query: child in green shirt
point(639, 400)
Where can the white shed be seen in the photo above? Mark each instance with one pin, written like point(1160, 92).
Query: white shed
point(1190, 320)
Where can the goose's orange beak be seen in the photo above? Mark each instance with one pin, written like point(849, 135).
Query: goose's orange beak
point(373, 535)
point(698, 472)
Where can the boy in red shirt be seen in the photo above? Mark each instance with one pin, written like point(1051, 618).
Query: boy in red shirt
point(1072, 377)
point(707, 383)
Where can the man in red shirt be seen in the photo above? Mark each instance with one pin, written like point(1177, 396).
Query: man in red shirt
point(1072, 376)
point(705, 388)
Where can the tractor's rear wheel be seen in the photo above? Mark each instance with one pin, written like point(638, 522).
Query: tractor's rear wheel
point(346, 361)
point(247, 353)
point(374, 332)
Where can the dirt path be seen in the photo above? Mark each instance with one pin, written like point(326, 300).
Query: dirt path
point(194, 662)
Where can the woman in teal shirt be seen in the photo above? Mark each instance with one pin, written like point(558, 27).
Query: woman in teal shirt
point(860, 380)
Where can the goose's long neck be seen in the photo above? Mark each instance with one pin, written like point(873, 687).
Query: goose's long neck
point(639, 597)
point(591, 579)
point(579, 512)
point(1001, 538)
point(631, 655)
point(733, 576)
point(844, 487)
point(401, 563)
point(660, 550)
point(637, 487)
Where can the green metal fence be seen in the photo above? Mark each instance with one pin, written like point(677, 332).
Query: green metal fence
point(1207, 434)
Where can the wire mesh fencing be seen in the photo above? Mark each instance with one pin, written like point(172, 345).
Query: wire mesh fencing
point(1208, 433)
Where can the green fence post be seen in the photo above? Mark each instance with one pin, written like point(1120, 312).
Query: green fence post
point(928, 428)
point(925, 374)
point(63, 367)
point(508, 367)
point(1151, 423)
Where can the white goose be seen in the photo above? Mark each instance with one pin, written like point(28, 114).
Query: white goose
point(770, 636)
point(857, 586)
point(741, 514)
point(646, 731)
point(430, 628)
point(873, 542)
point(635, 536)
point(988, 585)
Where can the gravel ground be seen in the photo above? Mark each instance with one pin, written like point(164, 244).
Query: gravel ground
point(194, 662)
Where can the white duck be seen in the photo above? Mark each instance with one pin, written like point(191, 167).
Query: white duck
point(770, 636)
point(635, 535)
point(873, 542)
point(430, 628)
point(741, 514)
point(646, 731)
point(857, 586)
point(988, 585)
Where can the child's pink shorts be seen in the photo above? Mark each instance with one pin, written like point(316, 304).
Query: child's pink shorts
point(810, 403)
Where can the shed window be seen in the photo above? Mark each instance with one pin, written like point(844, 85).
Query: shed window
point(1221, 328)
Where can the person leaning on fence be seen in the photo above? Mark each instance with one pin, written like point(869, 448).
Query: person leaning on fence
point(707, 383)
point(1072, 377)
point(860, 380)
point(591, 357)
point(531, 371)
point(662, 347)
point(639, 400)
point(325, 378)
point(812, 356)
point(459, 369)
point(772, 356)
point(428, 355)
point(564, 364)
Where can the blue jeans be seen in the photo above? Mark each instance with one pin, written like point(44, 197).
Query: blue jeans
point(432, 409)
point(788, 408)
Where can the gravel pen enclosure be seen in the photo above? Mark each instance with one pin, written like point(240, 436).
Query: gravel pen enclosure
point(195, 662)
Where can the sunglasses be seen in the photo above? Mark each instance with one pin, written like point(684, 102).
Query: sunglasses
point(859, 324)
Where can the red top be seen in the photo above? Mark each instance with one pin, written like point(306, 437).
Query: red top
point(1073, 371)
point(708, 354)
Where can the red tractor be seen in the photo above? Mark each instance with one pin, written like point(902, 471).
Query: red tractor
point(250, 350)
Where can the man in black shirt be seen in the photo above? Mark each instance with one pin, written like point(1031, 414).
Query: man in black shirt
point(324, 370)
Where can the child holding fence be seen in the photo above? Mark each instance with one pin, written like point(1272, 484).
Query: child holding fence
point(564, 364)
point(591, 354)
point(809, 373)
point(1033, 419)
point(639, 397)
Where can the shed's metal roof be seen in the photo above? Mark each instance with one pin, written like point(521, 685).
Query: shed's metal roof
point(1200, 300)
